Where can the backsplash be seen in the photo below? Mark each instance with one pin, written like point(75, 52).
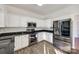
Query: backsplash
point(12, 29)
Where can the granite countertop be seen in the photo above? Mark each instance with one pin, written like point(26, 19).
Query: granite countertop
point(23, 33)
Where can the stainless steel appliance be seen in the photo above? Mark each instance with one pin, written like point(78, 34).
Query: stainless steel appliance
point(56, 27)
point(61, 35)
point(7, 45)
point(65, 28)
point(32, 37)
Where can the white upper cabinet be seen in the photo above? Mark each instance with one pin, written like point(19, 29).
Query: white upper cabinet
point(13, 20)
point(2, 23)
point(23, 22)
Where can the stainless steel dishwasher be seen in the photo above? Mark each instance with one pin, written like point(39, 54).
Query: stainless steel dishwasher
point(7, 45)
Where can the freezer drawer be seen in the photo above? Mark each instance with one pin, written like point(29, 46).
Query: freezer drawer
point(64, 46)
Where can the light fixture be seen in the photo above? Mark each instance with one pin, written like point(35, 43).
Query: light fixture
point(39, 4)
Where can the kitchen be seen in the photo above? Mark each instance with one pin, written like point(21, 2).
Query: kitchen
point(25, 25)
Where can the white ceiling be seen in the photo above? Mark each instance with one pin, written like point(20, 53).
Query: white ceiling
point(41, 10)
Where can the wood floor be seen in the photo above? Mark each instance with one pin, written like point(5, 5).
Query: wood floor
point(42, 47)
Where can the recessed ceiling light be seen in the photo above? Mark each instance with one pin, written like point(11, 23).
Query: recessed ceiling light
point(40, 4)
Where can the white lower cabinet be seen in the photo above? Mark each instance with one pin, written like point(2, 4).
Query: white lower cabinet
point(45, 36)
point(21, 42)
point(24, 41)
point(17, 42)
point(40, 37)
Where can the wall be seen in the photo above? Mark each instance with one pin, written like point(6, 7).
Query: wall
point(77, 24)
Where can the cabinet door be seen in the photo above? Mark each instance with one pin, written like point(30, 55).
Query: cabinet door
point(13, 20)
point(2, 24)
point(23, 22)
point(24, 41)
point(21, 41)
point(49, 37)
point(18, 43)
point(40, 37)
